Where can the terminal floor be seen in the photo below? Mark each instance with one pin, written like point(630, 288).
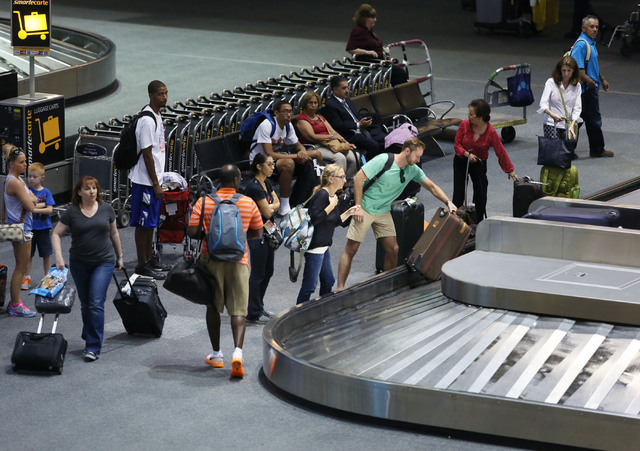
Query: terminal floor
point(159, 394)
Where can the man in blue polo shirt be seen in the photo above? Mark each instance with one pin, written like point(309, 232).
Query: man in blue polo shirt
point(591, 80)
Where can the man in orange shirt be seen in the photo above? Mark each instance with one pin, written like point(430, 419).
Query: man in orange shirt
point(232, 278)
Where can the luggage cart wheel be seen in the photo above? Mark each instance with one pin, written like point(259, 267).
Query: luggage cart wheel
point(123, 219)
point(508, 134)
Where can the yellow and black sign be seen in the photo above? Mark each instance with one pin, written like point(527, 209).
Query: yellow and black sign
point(31, 27)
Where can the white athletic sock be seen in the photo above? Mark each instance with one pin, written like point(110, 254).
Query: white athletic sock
point(215, 354)
point(284, 206)
point(237, 353)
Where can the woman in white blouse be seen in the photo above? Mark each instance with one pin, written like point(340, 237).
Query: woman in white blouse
point(561, 100)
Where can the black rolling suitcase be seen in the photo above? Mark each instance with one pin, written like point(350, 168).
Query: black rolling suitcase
point(608, 217)
point(37, 351)
point(525, 191)
point(141, 311)
point(408, 219)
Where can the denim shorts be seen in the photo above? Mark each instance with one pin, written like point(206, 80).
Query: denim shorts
point(42, 240)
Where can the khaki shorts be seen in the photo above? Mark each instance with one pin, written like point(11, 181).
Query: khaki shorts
point(381, 224)
point(232, 286)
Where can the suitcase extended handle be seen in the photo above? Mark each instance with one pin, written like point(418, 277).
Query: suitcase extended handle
point(122, 295)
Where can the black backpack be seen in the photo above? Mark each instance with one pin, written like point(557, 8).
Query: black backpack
point(126, 155)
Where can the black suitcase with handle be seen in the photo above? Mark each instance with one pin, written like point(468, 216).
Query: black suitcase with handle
point(37, 351)
point(525, 191)
point(141, 310)
point(408, 219)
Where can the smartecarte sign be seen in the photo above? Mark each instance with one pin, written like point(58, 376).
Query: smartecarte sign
point(31, 27)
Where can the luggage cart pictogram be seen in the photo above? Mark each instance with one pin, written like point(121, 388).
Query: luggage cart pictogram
point(32, 24)
point(49, 133)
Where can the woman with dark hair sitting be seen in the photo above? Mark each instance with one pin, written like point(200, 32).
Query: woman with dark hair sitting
point(314, 129)
point(561, 100)
point(475, 136)
point(365, 45)
point(261, 254)
point(95, 252)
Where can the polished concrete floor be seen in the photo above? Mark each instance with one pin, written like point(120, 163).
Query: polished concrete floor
point(158, 394)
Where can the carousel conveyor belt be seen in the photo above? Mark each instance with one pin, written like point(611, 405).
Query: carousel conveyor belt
point(469, 353)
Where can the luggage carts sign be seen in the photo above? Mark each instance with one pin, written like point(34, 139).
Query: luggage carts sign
point(31, 27)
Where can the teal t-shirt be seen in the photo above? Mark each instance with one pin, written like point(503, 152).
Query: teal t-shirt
point(377, 199)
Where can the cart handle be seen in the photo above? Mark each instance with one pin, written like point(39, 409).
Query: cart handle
point(511, 67)
point(410, 41)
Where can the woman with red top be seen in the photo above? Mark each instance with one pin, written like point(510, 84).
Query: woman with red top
point(365, 45)
point(314, 129)
point(475, 136)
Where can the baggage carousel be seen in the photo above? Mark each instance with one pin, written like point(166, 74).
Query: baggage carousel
point(534, 335)
point(81, 63)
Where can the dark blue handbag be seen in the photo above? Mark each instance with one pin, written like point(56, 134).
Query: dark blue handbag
point(519, 87)
point(555, 152)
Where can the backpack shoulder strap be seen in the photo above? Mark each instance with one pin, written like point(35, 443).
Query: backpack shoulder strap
point(588, 56)
point(149, 114)
point(386, 167)
point(235, 198)
point(214, 197)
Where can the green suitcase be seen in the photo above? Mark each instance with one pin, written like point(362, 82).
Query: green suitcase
point(560, 182)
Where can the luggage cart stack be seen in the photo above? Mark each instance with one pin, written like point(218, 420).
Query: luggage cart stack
point(93, 154)
point(217, 115)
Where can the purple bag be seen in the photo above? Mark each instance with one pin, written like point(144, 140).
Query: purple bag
point(400, 134)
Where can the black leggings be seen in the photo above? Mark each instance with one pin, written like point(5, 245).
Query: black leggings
point(478, 174)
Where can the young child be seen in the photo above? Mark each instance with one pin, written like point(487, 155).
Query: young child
point(41, 221)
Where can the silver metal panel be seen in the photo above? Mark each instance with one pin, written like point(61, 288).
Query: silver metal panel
point(594, 276)
point(521, 282)
point(548, 239)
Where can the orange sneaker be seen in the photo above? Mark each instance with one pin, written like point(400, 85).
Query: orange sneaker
point(236, 368)
point(215, 362)
point(26, 283)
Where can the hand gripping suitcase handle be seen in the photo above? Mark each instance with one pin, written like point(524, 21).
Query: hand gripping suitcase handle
point(122, 295)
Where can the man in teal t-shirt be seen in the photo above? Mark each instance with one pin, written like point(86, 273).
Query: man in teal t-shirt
point(374, 207)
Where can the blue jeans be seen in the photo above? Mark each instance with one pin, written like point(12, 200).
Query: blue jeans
point(316, 266)
point(92, 281)
point(262, 256)
point(593, 121)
